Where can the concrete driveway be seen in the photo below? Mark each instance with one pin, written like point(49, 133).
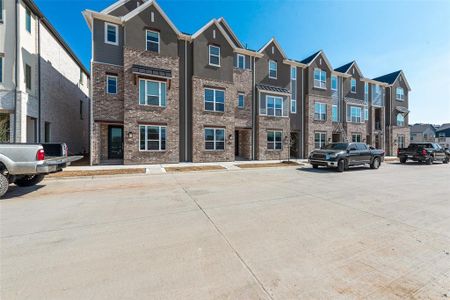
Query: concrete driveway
point(275, 233)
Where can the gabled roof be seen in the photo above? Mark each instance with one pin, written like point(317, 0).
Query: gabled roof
point(307, 61)
point(224, 24)
point(421, 127)
point(113, 6)
point(273, 40)
point(345, 68)
point(209, 24)
point(445, 126)
point(391, 78)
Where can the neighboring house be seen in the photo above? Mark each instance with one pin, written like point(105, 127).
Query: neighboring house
point(422, 133)
point(443, 135)
point(43, 86)
point(160, 95)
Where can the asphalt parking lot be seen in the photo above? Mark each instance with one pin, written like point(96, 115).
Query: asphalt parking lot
point(274, 233)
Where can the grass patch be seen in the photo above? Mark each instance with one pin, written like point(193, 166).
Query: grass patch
point(97, 173)
point(269, 165)
point(193, 168)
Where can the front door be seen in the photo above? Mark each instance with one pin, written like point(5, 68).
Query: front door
point(115, 142)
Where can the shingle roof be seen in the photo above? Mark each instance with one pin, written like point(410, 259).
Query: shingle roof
point(388, 78)
point(310, 58)
point(151, 71)
point(272, 88)
point(344, 68)
point(421, 127)
point(444, 127)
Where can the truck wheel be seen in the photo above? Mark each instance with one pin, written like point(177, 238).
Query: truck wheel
point(340, 166)
point(429, 161)
point(403, 160)
point(445, 161)
point(315, 166)
point(375, 163)
point(4, 184)
point(29, 180)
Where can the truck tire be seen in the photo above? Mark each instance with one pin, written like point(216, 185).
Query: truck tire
point(29, 180)
point(375, 163)
point(315, 166)
point(429, 161)
point(4, 184)
point(445, 161)
point(403, 159)
point(340, 166)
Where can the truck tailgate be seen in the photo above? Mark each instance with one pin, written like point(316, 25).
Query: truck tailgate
point(61, 160)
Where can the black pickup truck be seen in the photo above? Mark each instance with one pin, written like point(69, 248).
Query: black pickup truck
point(423, 152)
point(343, 155)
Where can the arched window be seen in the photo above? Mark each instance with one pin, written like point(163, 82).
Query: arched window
point(400, 120)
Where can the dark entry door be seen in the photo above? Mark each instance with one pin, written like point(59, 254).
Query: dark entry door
point(115, 142)
point(236, 143)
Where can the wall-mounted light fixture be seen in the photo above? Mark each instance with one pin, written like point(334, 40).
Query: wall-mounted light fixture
point(130, 135)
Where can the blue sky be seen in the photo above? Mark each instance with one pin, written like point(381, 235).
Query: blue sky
point(382, 36)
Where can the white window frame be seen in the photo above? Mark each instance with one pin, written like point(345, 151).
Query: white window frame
point(357, 140)
point(402, 144)
point(332, 114)
point(401, 96)
point(107, 83)
point(322, 139)
point(147, 140)
point(28, 14)
point(293, 73)
point(275, 99)
point(215, 55)
point(366, 92)
point(361, 117)
point(320, 83)
point(293, 106)
point(117, 34)
point(321, 111)
point(147, 41)
point(336, 80)
point(215, 141)
point(160, 93)
point(214, 99)
point(353, 85)
point(243, 100)
point(366, 114)
point(276, 69)
point(275, 142)
point(243, 61)
point(396, 120)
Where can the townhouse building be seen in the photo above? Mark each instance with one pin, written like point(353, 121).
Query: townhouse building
point(161, 96)
point(44, 88)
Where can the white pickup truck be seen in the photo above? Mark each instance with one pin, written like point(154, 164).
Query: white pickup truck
point(27, 164)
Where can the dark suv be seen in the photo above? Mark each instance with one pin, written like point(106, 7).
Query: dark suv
point(423, 152)
point(343, 155)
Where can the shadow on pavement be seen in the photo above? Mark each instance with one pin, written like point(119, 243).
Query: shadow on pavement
point(333, 170)
point(16, 191)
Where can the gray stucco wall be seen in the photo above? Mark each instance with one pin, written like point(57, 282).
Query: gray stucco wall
point(319, 62)
point(359, 85)
point(262, 68)
point(126, 8)
point(103, 52)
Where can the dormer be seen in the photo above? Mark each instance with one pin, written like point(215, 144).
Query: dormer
point(353, 84)
point(319, 72)
point(271, 67)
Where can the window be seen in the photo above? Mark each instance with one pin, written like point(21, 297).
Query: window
point(214, 55)
point(400, 94)
point(320, 79)
point(1, 10)
point(152, 38)
point(293, 90)
point(28, 20)
point(111, 84)
point(401, 141)
point(274, 106)
point(214, 100)
point(240, 61)
point(81, 79)
point(356, 137)
point(111, 34)
point(272, 69)
point(81, 110)
point(334, 83)
point(152, 138)
point(214, 139)
point(334, 113)
point(355, 114)
point(320, 111)
point(400, 120)
point(28, 77)
point(366, 114)
point(241, 100)
point(152, 92)
point(274, 140)
point(366, 93)
point(319, 139)
point(1, 68)
point(377, 95)
point(353, 85)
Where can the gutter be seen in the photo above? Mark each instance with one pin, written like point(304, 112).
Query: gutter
point(39, 82)
point(255, 102)
point(15, 71)
point(186, 131)
point(302, 155)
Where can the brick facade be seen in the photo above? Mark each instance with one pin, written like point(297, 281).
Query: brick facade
point(312, 126)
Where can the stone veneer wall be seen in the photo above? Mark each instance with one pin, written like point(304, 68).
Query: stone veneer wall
point(360, 128)
point(312, 126)
point(266, 123)
point(202, 119)
point(396, 131)
point(243, 84)
point(136, 114)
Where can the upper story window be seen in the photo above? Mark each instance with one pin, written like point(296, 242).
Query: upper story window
point(399, 94)
point(1, 10)
point(152, 138)
point(320, 78)
point(214, 55)
point(241, 100)
point(214, 100)
point(333, 83)
point(293, 90)
point(111, 34)
point(28, 20)
point(274, 106)
point(355, 114)
point(353, 85)
point(320, 111)
point(293, 73)
point(377, 95)
point(400, 120)
point(366, 114)
point(152, 92)
point(240, 64)
point(334, 113)
point(1, 68)
point(366, 92)
point(272, 69)
point(111, 84)
point(214, 139)
point(28, 77)
point(152, 38)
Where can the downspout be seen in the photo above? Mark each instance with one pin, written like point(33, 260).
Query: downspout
point(185, 104)
point(16, 76)
point(39, 81)
point(302, 155)
point(254, 110)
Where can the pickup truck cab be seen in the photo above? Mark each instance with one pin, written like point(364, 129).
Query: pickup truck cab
point(344, 155)
point(423, 152)
point(27, 164)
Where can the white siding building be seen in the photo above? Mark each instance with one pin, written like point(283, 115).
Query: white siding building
point(44, 88)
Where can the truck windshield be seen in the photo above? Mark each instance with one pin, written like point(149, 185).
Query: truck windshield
point(336, 146)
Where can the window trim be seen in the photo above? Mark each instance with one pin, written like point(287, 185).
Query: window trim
point(331, 85)
point(147, 140)
point(322, 142)
point(402, 95)
point(357, 134)
point(274, 140)
point(107, 83)
point(28, 17)
point(321, 72)
point(293, 101)
point(28, 88)
point(320, 111)
point(160, 92)
point(275, 98)
point(214, 100)
point(353, 85)
point(243, 61)
point(361, 117)
point(147, 41)
point(366, 114)
point(106, 33)
point(243, 100)
point(215, 129)
point(215, 55)
point(396, 120)
point(337, 113)
point(276, 69)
